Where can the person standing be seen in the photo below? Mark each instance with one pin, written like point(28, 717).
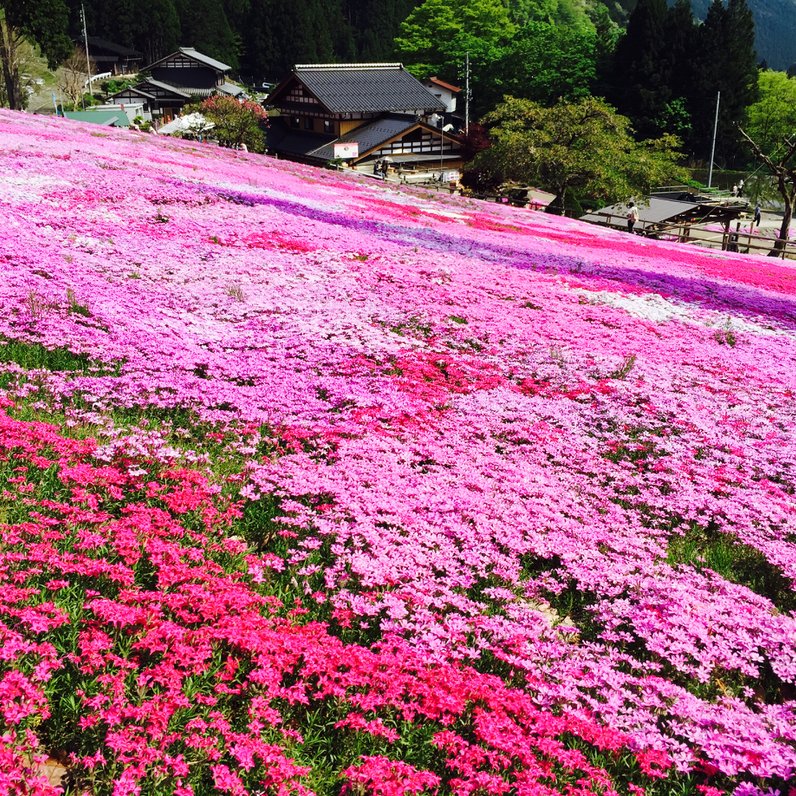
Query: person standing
point(740, 187)
point(757, 216)
point(632, 216)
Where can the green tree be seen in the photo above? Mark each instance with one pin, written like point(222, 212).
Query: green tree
point(773, 117)
point(236, 123)
point(771, 135)
point(574, 149)
point(546, 62)
point(43, 23)
point(435, 37)
point(569, 13)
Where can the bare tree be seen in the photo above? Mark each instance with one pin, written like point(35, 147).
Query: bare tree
point(74, 73)
point(784, 170)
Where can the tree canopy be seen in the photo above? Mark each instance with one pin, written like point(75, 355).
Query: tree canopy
point(770, 133)
point(574, 149)
point(435, 37)
point(773, 117)
point(43, 23)
point(547, 61)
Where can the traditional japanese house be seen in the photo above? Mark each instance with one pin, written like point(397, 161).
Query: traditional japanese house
point(178, 79)
point(108, 56)
point(378, 111)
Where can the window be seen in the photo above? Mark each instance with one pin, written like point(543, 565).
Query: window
point(328, 126)
point(295, 122)
point(308, 123)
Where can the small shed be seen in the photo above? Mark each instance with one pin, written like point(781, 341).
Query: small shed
point(107, 118)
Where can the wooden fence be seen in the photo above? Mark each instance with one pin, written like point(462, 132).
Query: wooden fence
point(736, 240)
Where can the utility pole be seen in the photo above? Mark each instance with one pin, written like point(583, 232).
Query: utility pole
point(88, 60)
point(441, 154)
point(713, 147)
point(467, 93)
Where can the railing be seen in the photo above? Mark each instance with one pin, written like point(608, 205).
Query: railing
point(745, 242)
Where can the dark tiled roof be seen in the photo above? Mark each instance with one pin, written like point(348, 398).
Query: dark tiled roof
point(205, 59)
point(133, 90)
point(281, 138)
point(180, 92)
point(367, 88)
point(369, 136)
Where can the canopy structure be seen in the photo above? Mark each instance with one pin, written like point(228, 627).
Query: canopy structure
point(661, 212)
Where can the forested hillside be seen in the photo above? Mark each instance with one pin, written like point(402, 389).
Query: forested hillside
point(263, 38)
point(775, 26)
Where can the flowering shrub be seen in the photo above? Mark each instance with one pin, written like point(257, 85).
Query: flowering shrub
point(236, 122)
point(312, 485)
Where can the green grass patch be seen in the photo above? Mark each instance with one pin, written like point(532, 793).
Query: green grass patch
point(705, 547)
point(35, 356)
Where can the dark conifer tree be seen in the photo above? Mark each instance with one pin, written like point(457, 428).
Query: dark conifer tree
point(204, 25)
point(641, 79)
point(680, 46)
point(680, 33)
point(726, 63)
point(375, 24)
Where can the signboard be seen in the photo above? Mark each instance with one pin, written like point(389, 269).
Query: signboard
point(347, 150)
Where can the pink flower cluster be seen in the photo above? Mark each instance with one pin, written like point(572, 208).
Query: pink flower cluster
point(177, 664)
point(487, 437)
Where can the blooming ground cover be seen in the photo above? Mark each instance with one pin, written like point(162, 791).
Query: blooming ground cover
point(313, 485)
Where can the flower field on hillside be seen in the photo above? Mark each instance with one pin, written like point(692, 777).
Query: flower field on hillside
point(313, 485)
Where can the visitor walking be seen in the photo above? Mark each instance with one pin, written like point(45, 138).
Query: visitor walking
point(757, 216)
point(632, 216)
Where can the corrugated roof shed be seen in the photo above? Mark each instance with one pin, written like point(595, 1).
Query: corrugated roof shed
point(367, 88)
point(105, 118)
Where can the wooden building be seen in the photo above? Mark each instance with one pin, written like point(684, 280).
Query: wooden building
point(444, 92)
point(379, 110)
point(176, 80)
point(110, 57)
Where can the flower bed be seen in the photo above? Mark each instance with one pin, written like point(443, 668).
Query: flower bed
point(314, 485)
